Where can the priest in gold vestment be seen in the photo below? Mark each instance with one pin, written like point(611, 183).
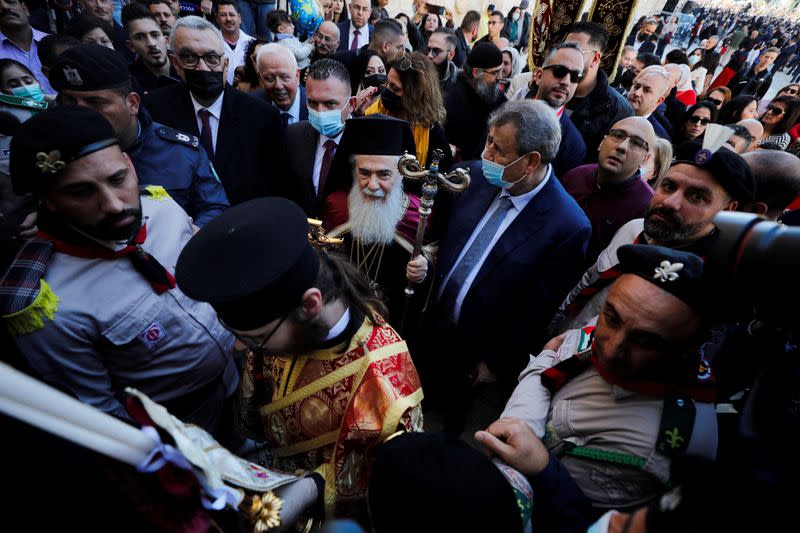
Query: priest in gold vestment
point(325, 378)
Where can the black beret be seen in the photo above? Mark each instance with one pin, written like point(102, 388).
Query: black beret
point(377, 135)
point(89, 67)
point(679, 273)
point(454, 486)
point(45, 144)
point(252, 263)
point(485, 55)
point(728, 168)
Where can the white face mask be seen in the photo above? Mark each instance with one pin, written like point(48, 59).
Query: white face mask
point(693, 60)
point(515, 16)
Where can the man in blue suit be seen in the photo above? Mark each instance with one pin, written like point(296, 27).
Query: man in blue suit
point(649, 90)
point(280, 82)
point(515, 245)
point(355, 32)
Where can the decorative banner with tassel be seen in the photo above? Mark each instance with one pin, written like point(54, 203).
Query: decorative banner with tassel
point(551, 19)
point(615, 16)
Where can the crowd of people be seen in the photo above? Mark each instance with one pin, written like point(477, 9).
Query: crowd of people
point(554, 364)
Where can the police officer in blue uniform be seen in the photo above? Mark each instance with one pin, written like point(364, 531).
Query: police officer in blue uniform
point(96, 77)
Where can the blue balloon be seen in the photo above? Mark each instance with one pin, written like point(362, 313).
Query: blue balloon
point(307, 15)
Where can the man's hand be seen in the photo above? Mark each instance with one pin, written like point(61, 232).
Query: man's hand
point(555, 343)
point(513, 441)
point(417, 269)
point(28, 228)
point(206, 6)
point(482, 374)
point(297, 498)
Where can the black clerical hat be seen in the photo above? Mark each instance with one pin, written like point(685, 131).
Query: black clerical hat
point(729, 168)
point(252, 263)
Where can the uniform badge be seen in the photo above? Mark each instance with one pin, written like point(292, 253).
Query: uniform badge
point(50, 163)
point(667, 271)
point(152, 335)
point(703, 156)
point(182, 137)
point(72, 75)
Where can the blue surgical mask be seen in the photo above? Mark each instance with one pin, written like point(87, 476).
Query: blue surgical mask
point(32, 91)
point(328, 123)
point(493, 172)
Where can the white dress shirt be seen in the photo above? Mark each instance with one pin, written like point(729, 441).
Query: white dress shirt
point(519, 203)
point(363, 37)
point(319, 155)
point(236, 55)
point(215, 113)
point(294, 110)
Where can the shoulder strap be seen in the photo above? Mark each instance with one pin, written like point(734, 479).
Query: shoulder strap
point(175, 136)
point(677, 423)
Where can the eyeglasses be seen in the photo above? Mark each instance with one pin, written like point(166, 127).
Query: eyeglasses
point(324, 38)
point(775, 111)
point(494, 72)
point(714, 101)
point(434, 52)
point(559, 71)
point(190, 60)
point(699, 120)
point(255, 344)
point(637, 143)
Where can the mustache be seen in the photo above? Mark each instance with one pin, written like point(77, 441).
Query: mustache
point(672, 217)
point(113, 219)
point(374, 194)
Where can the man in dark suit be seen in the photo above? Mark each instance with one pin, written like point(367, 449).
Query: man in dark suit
point(526, 25)
point(556, 82)
point(280, 82)
point(386, 40)
point(311, 145)
point(242, 135)
point(515, 244)
point(649, 90)
point(355, 32)
point(466, 35)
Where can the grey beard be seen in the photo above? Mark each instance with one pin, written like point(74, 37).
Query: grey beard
point(487, 93)
point(375, 222)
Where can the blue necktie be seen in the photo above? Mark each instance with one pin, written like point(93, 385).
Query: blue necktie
point(285, 118)
point(474, 254)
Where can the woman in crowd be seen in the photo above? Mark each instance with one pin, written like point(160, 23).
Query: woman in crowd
point(512, 65)
point(17, 80)
point(781, 115)
point(719, 97)
point(246, 78)
point(793, 89)
point(339, 11)
point(738, 108)
point(684, 91)
point(371, 76)
point(694, 122)
point(90, 29)
point(428, 25)
point(658, 165)
point(698, 70)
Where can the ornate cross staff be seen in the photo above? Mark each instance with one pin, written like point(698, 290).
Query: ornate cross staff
point(456, 181)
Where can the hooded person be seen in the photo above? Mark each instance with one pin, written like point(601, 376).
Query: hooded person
point(325, 379)
point(376, 218)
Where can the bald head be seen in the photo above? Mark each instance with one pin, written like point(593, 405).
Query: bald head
point(777, 180)
point(756, 130)
point(326, 39)
point(649, 89)
point(624, 149)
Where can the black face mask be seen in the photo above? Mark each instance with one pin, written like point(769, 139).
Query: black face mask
point(375, 80)
point(205, 84)
point(391, 101)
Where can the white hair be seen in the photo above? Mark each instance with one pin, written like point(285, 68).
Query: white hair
point(375, 221)
point(193, 22)
point(275, 49)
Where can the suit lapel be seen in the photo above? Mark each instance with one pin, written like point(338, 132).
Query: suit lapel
point(466, 217)
point(303, 105)
point(226, 134)
point(186, 117)
point(526, 226)
point(309, 152)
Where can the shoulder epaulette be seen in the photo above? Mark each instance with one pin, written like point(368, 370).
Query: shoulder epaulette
point(173, 135)
point(24, 103)
point(155, 192)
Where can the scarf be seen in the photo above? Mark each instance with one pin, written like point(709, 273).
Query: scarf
point(422, 134)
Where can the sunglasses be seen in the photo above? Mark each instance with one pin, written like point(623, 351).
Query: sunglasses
point(775, 111)
point(434, 52)
point(559, 71)
point(714, 101)
point(699, 120)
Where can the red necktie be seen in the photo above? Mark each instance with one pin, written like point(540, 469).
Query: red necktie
point(354, 44)
point(325, 167)
point(205, 132)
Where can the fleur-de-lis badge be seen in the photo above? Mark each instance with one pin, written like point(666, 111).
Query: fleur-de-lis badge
point(673, 438)
point(667, 271)
point(50, 163)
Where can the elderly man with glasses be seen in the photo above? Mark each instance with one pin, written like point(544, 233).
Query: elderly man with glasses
point(241, 134)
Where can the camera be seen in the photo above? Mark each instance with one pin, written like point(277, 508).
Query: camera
point(435, 10)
